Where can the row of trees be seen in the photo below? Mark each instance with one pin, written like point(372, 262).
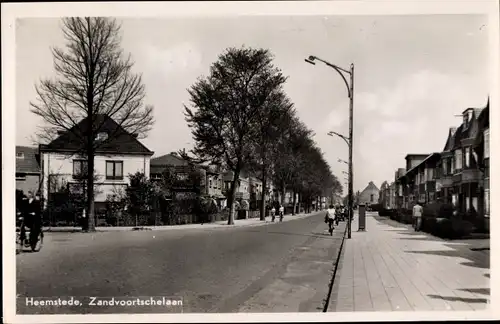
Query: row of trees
point(242, 119)
point(240, 116)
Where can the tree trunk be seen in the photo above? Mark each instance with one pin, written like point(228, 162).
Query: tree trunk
point(90, 224)
point(232, 192)
point(283, 194)
point(294, 203)
point(263, 199)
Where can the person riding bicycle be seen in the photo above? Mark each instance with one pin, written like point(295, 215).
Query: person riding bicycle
point(330, 218)
point(30, 211)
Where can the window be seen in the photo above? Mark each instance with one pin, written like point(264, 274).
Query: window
point(430, 174)
point(20, 176)
point(474, 203)
point(467, 203)
point(19, 155)
point(487, 202)
point(458, 160)
point(80, 168)
point(155, 176)
point(371, 198)
point(182, 176)
point(210, 183)
point(486, 143)
point(114, 170)
point(101, 136)
point(467, 157)
point(451, 167)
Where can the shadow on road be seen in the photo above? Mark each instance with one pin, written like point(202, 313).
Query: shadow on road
point(389, 222)
point(313, 234)
point(460, 299)
point(482, 291)
point(478, 261)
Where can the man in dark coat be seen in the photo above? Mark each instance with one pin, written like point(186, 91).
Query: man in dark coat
point(31, 211)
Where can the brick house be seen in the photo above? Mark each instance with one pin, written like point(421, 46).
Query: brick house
point(409, 179)
point(27, 169)
point(467, 176)
point(482, 150)
point(186, 184)
point(399, 188)
point(421, 180)
point(446, 168)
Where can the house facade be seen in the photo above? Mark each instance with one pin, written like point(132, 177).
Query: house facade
point(118, 154)
point(27, 169)
point(467, 176)
point(445, 170)
point(459, 175)
point(370, 195)
point(420, 181)
point(242, 191)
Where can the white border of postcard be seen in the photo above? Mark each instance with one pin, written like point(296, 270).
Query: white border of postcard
point(12, 11)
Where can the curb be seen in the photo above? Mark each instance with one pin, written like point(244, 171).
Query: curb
point(179, 227)
point(335, 268)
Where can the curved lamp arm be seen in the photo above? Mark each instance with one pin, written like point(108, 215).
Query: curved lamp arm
point(339, 70)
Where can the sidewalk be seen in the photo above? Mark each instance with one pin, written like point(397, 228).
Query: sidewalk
point(218, 225)
point(390, 267)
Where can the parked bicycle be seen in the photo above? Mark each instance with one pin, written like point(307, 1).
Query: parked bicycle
point(27, 237)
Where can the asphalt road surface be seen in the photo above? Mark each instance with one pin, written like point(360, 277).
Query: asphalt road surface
point(214, 270)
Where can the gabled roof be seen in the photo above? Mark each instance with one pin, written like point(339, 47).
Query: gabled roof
point(29, 162)
point(168, 160)
point(408, 156)
point(370, 186)
point(450, 140)
point(427, 159)
point(122, 142)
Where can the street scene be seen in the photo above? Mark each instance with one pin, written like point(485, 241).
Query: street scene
point(265, 170)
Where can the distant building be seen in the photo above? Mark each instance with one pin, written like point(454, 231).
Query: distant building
point(27, 169)
point(370, 195)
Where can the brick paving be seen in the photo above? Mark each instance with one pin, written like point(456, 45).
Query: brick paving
point(390, 267)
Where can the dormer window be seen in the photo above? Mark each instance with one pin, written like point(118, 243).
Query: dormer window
point(466, 121)
point(101, 136)
point(19, 155)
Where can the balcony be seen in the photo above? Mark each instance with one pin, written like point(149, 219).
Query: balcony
point(471, 175)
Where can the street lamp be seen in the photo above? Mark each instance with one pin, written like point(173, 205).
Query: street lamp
point(349, 140)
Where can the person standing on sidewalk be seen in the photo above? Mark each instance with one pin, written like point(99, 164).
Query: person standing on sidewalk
point(273, 213)
point(417, 216)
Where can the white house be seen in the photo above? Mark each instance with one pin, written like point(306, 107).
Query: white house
point(118, 155)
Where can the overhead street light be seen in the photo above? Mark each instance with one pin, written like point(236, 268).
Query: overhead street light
point(349, 140)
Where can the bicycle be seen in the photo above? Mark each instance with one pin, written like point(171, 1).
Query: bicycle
point(34, 243)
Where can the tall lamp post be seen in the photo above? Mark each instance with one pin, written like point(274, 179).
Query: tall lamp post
point(350, 90)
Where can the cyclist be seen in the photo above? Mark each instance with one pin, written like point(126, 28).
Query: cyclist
point(330, 218)
point(282, 212)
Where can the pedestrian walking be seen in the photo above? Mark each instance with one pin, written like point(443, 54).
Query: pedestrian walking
point(417, 216)
point(282, 212)
point(273, 214)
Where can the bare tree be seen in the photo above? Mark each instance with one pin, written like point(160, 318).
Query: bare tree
point(94, 83)
point(227, 104)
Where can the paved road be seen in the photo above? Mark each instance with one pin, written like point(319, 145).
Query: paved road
point(215, 270)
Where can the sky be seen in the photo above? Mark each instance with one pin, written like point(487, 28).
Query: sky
point(413, 75)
